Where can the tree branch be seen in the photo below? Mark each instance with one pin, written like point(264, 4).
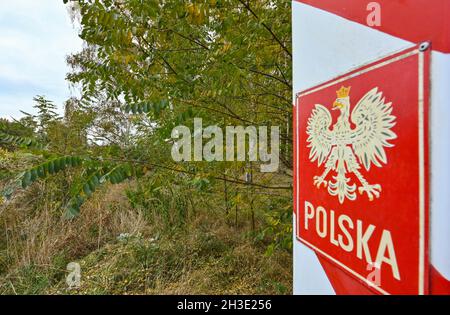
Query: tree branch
point(247, 6)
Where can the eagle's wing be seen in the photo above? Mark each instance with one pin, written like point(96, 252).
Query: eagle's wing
point(374, 121)
point(320, 135)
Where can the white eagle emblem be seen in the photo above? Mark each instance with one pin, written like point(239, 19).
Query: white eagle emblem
point(344, 148)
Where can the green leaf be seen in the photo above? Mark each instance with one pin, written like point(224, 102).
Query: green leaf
point(146, 107)
point(87, 190)
point(71, 213)
point(43, 170)
point(19, 141)
point(51, 167)
point(26, 179)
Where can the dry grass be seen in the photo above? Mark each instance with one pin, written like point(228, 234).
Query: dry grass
point(207, 256)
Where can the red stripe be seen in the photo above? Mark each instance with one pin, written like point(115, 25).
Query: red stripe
point(439, 284)
point(344, 284)
point(412, 20)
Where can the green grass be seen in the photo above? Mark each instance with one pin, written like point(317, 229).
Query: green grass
point(123, 250)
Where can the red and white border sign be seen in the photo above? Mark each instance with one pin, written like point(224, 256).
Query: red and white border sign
point(362, 161)
point(332, 40)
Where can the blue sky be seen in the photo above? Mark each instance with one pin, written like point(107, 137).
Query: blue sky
point(35, 37)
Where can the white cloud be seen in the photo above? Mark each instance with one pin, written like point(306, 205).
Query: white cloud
point(35, 37)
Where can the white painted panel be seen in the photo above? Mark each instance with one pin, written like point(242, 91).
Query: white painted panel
point(326, 45)
point(309, 276)
point(440, 163)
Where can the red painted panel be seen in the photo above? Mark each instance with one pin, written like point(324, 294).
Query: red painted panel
point(412, 20)
point(438, 283)
point(386, 202)
point(341, 282)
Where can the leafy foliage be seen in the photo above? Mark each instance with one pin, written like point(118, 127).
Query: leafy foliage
point(148, 66)
point(116, 175)
point(49, 167)
point(146, 107)
point(19, 141)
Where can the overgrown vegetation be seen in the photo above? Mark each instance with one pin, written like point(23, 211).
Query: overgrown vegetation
point(97, 185)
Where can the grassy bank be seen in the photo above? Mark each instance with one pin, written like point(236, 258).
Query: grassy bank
point(125, 250)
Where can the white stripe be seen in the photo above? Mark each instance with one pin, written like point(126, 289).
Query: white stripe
point(358, 73)
point(421, 177)
point(440, 164)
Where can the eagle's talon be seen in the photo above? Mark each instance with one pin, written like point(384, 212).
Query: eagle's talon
point(318, 181)
point(371, 191)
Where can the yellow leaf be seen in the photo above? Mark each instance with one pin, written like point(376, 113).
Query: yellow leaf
point(129, 37)
point(226, 47)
